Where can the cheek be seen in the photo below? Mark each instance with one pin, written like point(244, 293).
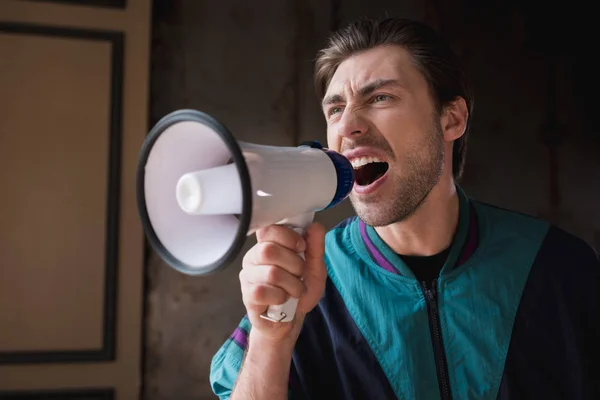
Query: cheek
point(403, 128)
point(395, 128)
point(333, 141)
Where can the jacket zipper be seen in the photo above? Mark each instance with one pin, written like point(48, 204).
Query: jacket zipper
point(436, 335)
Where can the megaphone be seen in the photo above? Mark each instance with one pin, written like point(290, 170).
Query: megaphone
point(200, 192)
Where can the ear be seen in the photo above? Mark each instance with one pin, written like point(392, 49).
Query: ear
point(454, 119)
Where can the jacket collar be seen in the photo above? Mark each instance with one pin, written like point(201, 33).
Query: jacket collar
point(463, 246)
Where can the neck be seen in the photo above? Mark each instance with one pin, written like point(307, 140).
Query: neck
point(430, 229)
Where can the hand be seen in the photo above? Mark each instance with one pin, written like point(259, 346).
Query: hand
point(271, 272)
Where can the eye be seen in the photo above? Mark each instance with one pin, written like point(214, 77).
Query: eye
point(334, 110)
point(380, 97)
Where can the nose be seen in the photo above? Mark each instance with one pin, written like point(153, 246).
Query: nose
point(351, 124)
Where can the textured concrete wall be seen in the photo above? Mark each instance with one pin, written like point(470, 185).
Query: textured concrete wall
point(238, 61)
point(249, 64)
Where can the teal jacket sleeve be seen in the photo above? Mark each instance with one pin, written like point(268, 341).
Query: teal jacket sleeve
point(227, 362)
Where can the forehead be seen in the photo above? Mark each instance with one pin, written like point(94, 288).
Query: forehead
point(384, 62)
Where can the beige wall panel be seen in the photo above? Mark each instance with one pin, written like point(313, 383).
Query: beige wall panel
point(54, 151)
point(90, 85)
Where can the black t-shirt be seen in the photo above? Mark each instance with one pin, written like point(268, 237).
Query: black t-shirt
point(426, 268)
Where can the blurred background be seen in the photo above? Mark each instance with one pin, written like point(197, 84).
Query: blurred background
point(87, 310)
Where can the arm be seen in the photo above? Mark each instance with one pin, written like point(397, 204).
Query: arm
point(265, 370)
point(273, 271)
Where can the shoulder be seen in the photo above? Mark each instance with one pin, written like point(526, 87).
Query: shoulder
point(501, 221)
point(570, 254)
point(563, 286)
point(558, 251)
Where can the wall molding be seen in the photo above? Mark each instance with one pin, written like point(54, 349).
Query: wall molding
point(60, 394)
point(107, 351)
point(94, 3)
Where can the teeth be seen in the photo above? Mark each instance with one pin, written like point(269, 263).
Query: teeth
point(360, 161)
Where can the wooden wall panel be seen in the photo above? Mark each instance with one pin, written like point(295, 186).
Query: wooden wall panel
point(95, 3)
point(74, 114)
point(60, 149)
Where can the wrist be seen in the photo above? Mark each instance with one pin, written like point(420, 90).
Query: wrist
point(265, 343)
point(268, 345)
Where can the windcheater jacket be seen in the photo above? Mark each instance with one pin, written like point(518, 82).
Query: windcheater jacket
point(514, 314)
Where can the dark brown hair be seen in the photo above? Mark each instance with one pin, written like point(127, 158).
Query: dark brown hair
point(432, 56)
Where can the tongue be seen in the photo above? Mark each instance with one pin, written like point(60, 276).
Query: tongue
point(369, 173)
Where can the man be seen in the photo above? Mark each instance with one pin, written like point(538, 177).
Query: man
point(427, 293)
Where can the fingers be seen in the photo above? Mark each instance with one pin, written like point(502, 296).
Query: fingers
point(283, 236)
point(270, 253)
point(273, 271)
point(268, 285)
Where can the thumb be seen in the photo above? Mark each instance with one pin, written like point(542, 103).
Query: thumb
point(315, 272)
point(315, 243)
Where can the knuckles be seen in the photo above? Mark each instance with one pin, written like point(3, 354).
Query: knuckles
point(258, 292)
point(262, 294)
point(282, 235)
point(273, 275)
point(268, 232)
point(267, 252)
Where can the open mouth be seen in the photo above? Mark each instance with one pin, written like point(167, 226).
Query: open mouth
point(368, 170)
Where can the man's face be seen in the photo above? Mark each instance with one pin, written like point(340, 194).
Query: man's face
point(380, 115)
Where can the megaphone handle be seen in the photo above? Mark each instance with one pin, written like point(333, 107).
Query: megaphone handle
point(285, 312)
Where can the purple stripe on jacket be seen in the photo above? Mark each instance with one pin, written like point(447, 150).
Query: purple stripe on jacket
point(240, 337)
point(374, 252)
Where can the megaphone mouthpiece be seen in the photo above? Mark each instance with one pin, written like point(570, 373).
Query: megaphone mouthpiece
point(211, 191)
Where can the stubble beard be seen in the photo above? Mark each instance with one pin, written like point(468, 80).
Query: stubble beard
point(421, 171)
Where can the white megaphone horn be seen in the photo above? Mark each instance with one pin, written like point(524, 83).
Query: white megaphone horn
point(200, 192)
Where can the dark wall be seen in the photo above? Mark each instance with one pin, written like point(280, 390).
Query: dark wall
point(533, 145)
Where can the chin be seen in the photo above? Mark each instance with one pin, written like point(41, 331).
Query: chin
point(388, 206)
point(374, 213)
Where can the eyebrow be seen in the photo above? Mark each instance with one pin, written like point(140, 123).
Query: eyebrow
point(363, 91)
